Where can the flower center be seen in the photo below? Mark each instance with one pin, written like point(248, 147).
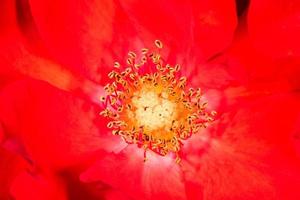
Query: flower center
point(153, 110)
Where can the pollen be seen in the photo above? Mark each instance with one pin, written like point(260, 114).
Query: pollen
point(148, 103)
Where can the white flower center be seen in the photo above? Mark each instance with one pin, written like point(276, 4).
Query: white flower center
point(153, 110)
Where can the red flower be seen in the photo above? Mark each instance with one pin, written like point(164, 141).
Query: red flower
point(55, 57)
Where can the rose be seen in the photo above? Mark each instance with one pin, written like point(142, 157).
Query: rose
point(55, 58)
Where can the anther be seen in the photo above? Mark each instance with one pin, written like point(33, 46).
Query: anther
point(132, 54)
point(117, 65)
point(213, 113)
point(145, 51)
point(158, 44)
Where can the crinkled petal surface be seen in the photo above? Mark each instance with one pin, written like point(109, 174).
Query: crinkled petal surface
point(157, 178)
point(57, 128)
point(252, 155)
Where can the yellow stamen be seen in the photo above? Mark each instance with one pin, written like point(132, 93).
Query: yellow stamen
point(153, 110)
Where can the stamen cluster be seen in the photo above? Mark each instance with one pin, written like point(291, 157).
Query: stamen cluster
point(148, 103)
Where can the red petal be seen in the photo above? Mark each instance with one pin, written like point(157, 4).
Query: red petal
point(8, 23)
point(10, 166)
point(254, 154)
point(184, 26)
point(296, 136)
point(169, 22)
point(273, 26)
point(157, 178)
point(18, 61)
point(258, 71)
point(37, 187)
point(75, 32)
point(215, 23)
point(56, 128)
point(1, 133)
point(193, 190)
point(115, 195)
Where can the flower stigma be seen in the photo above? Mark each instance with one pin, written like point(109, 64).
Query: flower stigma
point(148, 104)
